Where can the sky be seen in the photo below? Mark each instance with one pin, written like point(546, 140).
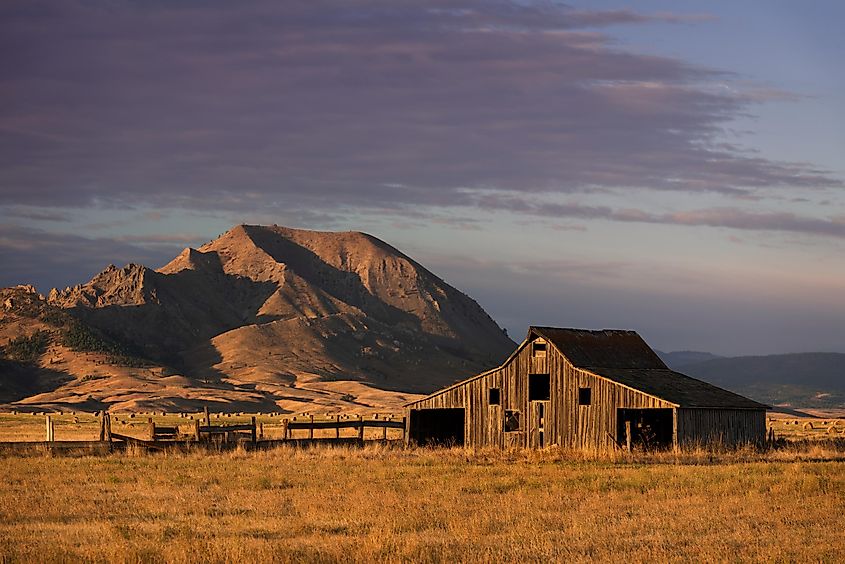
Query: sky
point(673, 168)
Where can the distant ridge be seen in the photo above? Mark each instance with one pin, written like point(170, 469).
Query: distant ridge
point(797, 380)
point(677, 359)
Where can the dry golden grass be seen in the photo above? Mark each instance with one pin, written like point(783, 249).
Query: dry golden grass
point(791, 428)
point(376, 504)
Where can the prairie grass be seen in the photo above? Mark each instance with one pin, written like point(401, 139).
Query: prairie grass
point(331, 504)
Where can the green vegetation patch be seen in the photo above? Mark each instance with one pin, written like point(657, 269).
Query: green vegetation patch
point(82, 338)
point(27, 349)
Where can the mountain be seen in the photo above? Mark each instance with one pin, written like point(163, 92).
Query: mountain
point(799, 380)
point(676, 359)
point(278, 317)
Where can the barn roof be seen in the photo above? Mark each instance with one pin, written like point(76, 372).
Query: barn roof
point(677, 388)
point(608, 348)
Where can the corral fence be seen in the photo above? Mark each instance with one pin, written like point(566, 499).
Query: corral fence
point(203, 431)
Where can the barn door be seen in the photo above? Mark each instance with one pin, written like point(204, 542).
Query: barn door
point(537, 425)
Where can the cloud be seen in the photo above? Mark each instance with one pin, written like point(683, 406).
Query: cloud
point(732, 218)
point(48, 260)
point(164, 239)
point(355, 104)
point(35, 214)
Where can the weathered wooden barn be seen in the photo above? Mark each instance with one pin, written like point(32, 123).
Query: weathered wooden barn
point(593, 390)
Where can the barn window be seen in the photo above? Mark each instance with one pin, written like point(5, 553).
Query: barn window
point(493, 397)
point(511, 421)
point(538, 349)
point(539, 388)
point(585, 396)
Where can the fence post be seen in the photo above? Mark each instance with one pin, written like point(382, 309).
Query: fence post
point(337, 426)
point(50, 430)
point(102, 426)
point(254, 435)
point(206, 416)
point(107, 427)
point(152, 428)
point(311, 429)
point(197, 430)
point(384, 434)
point(285, 428)
point(628, 435)
point(405, 433)
point(361, 428)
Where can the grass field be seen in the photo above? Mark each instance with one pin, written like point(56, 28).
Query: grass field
point(377, 504)
point(807, 428)
point(388, 504)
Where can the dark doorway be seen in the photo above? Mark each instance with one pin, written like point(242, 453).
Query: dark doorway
point(443, 427)
point(650, 429)
point(539, 388)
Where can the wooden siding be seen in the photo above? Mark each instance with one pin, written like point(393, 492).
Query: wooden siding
point(730, 427)
point(595, 425)
point(564, 423)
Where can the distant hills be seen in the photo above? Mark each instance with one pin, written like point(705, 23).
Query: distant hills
point(263, 318)
point(677, 359)
point(798, 380)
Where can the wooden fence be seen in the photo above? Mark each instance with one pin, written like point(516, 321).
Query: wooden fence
point(297, 430)
point(341, 422)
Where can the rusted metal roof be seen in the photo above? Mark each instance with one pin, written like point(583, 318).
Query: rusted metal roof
point(677, 388)
point(608, 348)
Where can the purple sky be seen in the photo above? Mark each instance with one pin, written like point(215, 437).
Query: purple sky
point(591, 164)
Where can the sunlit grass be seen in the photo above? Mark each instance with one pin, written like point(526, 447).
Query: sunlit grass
point(347, 504)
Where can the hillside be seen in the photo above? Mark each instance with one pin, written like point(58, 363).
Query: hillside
point(799, 380)
point(677, 359)
point(293, 319)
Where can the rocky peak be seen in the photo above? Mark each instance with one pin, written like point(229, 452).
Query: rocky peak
point(130, 285)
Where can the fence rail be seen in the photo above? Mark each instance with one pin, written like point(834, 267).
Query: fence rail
point(338, 423)
point(298, 431)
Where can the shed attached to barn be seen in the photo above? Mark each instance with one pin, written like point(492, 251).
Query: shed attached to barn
point(592, 390)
